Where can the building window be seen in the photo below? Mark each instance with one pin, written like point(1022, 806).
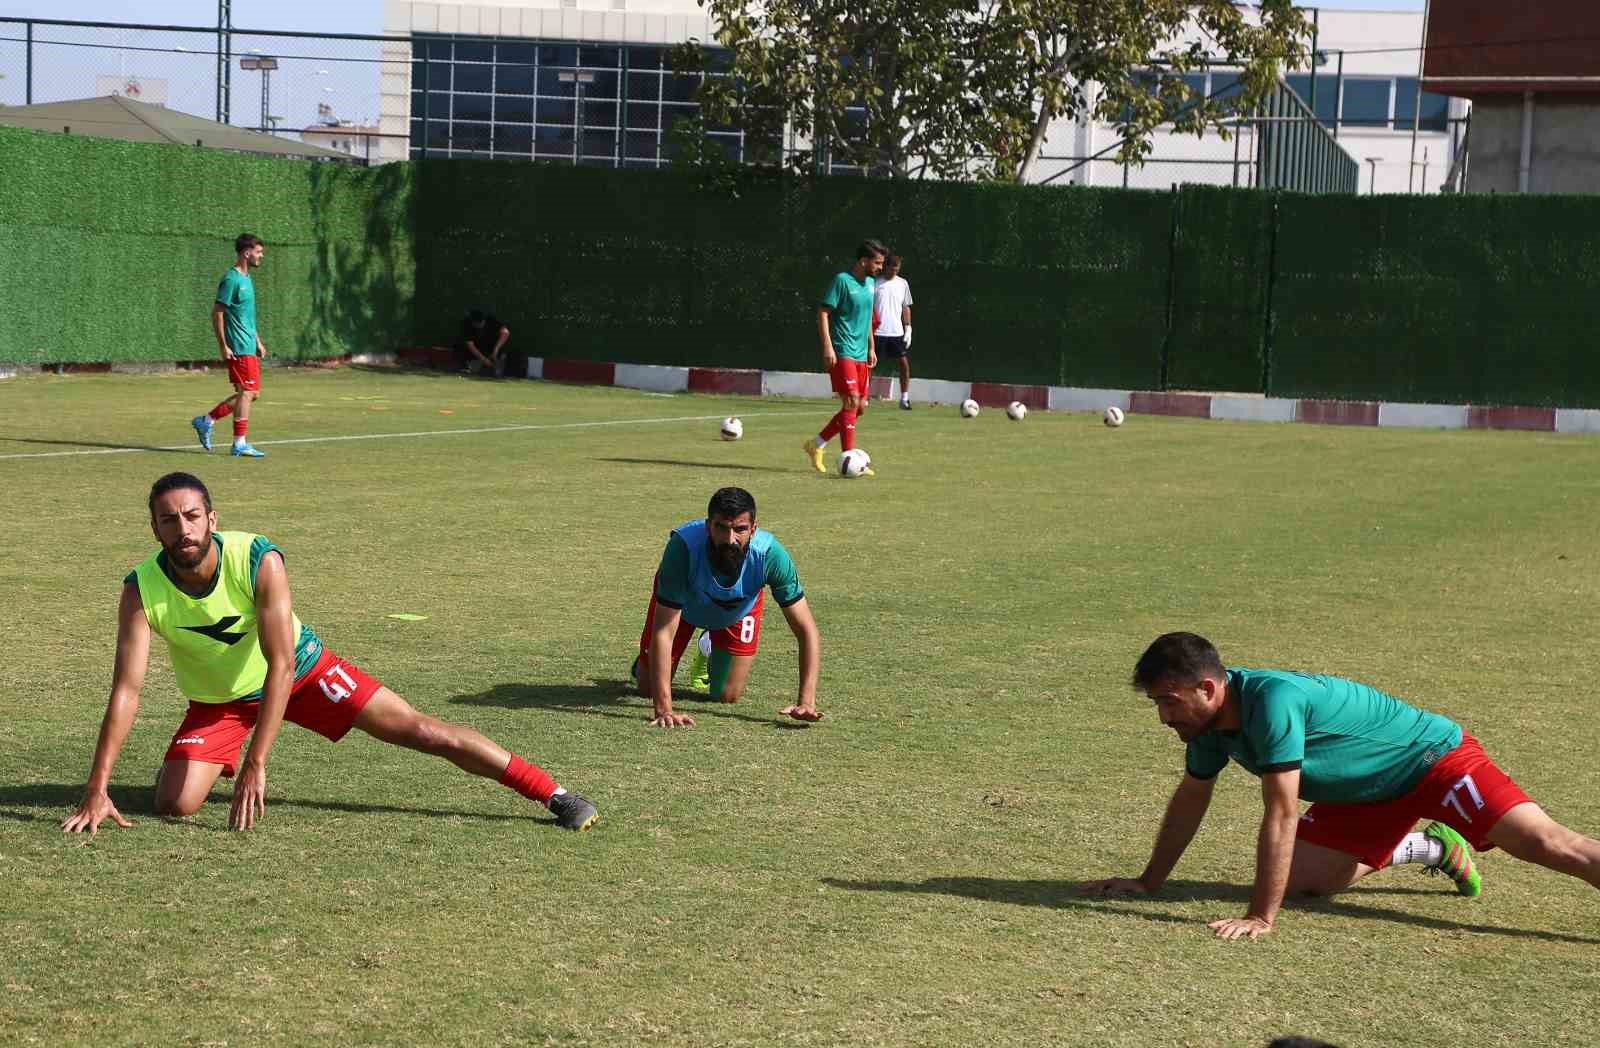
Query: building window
point(1326, 90)
point(1435, 108)
point(587, 104)
point(1366, 102)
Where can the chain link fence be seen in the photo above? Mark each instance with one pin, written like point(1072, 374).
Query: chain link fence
point(325, 89)
point(379, 98)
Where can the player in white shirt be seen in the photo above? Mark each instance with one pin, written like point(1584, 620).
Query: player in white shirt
point(892, 307)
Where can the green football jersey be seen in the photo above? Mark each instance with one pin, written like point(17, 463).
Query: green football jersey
point(849, 304)
point(237, 296)
point(1352, 743)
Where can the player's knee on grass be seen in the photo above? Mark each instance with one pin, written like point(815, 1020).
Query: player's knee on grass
point(722, 689)
point(180, 793)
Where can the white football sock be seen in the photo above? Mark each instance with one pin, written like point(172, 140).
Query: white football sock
point(1419, 847)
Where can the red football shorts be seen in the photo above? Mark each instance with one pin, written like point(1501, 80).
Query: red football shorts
point(850, 377)
point(326, 700)
point(741, 638)
point(245, 372)
point(1464, 790)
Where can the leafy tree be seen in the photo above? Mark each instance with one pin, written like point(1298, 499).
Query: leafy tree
point(969, 88)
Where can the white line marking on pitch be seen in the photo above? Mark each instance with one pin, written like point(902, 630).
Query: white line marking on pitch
point(395, 436)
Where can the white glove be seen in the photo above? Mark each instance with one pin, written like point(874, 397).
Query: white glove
point(908, 336)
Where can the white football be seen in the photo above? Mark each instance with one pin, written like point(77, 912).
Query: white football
point(732, 428)
point(1016, 411)
point(1114, 416)
point(854, 462)
point(969, 408)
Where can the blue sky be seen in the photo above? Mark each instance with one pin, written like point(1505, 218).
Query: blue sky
point(343, 75)
point(345, 16)
point(316, 16)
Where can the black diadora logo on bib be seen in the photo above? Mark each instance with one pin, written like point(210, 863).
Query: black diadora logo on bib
point(218, 630)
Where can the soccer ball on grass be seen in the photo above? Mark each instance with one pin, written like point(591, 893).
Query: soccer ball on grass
point(969, 408)
point(1016, 411)
point(732, 428)
point(1114, 416)
point(853, 463)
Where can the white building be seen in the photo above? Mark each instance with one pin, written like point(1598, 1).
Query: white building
point(585, 81)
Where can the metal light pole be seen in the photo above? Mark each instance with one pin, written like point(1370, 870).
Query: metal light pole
point(1416, 102)
point(224, 47)
point(266, 66)
point(577, 78)
point(1338, 84)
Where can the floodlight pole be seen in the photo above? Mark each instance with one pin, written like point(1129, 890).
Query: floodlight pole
point(266, 65)
point(577, 78)
point(224, 58)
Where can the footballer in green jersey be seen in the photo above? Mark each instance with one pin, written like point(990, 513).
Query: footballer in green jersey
point(1371, 765)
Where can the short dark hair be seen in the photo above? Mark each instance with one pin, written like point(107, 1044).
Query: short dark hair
point(476, 317)
point(870, 247)
point(1181, 659)
point(244, 242)
point(728, 503)
point(177, 482)
point(890, 261)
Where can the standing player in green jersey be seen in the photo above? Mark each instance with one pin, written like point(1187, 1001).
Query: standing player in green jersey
point(844, 322)
point(221, 602)
point(714, 574)
point(1371, 765)
point(233, 320)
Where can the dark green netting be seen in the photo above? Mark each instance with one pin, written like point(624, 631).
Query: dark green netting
point(111, 251)
point(1011, 284)
point(1222, 248)
point(1476, 299)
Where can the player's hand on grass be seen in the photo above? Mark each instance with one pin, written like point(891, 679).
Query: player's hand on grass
point(802, 713)
point(1240, 927)
point(249, 797)
point(94, 810)
point(672, 720)
point(1115, 884)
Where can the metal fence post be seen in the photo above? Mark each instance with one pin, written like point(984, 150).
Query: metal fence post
point(427, 93)
point(1272, 275)
point(27, 76)
point(1172, 286)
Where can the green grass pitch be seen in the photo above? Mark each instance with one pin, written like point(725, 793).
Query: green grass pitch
point(903, 873)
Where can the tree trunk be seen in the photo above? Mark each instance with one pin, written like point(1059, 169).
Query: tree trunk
point(1040, 126)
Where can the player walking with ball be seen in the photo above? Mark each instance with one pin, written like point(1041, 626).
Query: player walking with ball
point(844, 324)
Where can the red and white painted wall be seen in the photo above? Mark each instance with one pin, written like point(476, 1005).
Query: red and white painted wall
point(1232, 407)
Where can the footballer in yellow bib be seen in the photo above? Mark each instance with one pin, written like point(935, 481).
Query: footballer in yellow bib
point(220, 600)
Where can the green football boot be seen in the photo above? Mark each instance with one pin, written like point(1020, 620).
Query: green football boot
point(700, 671)
point(1457, 863)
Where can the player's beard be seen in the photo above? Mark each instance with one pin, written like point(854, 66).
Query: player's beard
point(187, 559)
point(728, 559)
